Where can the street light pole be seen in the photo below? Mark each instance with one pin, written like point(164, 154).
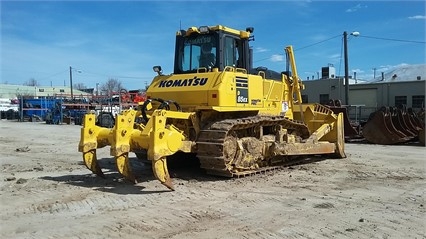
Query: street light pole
point(345, 49)
point(72, 95)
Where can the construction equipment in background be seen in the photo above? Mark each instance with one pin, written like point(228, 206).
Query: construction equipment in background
point(421, 117)
point(106, 108)
point(393, 125)
point(128, 97)
point(351, 130)
point(237, 119)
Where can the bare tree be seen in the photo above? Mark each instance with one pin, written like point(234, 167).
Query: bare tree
point(31, 82)
point(112, 85)
point(80, 86)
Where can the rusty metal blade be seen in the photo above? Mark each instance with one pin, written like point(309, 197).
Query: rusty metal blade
point(380, 130)
point(416, 119)
point(399, 123)
point(349, 130)
point(410, 124)
point(422, 137)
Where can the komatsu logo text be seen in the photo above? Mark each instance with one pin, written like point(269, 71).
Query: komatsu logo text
point(183, 82)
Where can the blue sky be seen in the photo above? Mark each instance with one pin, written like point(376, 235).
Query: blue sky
point(124, 39)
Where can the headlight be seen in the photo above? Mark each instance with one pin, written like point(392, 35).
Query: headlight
point(157, 68)
point(203, 29)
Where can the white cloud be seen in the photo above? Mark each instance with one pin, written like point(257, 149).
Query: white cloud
point(261, 49)
point(390, 67)
point(356, 8)
point(417, 17)
point(277, 58)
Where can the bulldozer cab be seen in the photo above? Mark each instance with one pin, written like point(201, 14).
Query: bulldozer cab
point(210, 48)
point(213, 71)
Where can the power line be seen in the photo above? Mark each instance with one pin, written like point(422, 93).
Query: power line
point(318, 42)
point(267, 58)
point(392, 39)
point(313, 44)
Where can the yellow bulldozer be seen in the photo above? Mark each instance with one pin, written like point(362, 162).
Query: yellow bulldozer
point(237, 119)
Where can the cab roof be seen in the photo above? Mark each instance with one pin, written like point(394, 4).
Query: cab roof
point(205, 29)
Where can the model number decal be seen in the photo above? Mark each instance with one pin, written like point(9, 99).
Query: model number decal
point(242, 95)
point(183, 82)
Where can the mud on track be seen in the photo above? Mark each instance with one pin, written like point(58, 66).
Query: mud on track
point(46, 192)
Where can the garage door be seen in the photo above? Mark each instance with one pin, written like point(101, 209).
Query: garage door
point(367, 97)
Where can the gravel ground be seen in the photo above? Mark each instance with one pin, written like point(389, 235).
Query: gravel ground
point(46, 192)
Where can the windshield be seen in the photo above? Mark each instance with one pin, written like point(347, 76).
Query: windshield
point(197, 51)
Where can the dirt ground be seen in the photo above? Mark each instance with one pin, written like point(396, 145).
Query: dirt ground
point(46, 192)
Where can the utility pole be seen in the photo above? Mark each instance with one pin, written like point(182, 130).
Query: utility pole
point(72, 95)
point(374, 73)
point(345, 47)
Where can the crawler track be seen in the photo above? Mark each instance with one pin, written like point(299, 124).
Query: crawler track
point(218, 148)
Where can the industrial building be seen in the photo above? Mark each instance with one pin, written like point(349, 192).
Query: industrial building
point(9, 91)
point(405, 85)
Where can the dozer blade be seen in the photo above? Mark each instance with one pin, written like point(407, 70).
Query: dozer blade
point(349, 130)
point(380, 130)
point(340, 143)
point(91, 162)
point(159, 167)
point(123, 166)
point(336, 107)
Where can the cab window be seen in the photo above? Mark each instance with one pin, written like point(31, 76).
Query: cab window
point(230, 52)
point(198, 51)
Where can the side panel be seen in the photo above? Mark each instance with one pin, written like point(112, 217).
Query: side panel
point(277, 97)
point(249, 91)
point(222, 91)
point(239, 90)
point(186, 89)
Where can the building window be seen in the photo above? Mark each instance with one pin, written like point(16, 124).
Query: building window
point(418, 101)
point(40, 90)
point(400, 100)
point(305, 98)
point(324, 99)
